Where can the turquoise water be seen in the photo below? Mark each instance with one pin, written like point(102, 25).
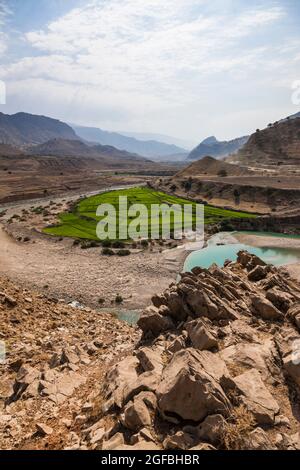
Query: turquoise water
point(219, 254)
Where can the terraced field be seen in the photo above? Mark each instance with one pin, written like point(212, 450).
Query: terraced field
point(82, 221)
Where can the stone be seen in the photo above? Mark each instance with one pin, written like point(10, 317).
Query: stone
point(152, 323)
point(258, 273)
point(294, 314)
point(43, 429)
point(114, 443)
point(281, 300)
point(27, 376)
point(97, 436)
point(258, 440)
point(256, 397)
point(211, 429)
point(190, 386)
point(201, 336)
point(136, 414)
point(180, 440)
point(264, 308)
point(150, 359)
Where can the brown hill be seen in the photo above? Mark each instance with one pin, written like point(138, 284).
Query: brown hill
point(9, 151)
point(278, 144)
point(76, 148)
point(212, 167)
point(23, 128)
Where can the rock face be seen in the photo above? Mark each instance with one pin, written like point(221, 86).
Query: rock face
point(215, 363)
point(217, 367)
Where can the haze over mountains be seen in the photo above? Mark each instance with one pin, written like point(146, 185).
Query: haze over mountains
point(146, 148)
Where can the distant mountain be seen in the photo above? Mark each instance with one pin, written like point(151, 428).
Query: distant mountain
point(23, 128)
point(278, 143)
point(214, 148)
point(149, 148)
point(77, 148)
point(165, 139)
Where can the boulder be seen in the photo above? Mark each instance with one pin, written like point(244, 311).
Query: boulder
point(114, 443)
point(136, 412)
point(180, 440)
point(211, 429)
point(201, 336)
point(26, 380)
point(190, 386)
point(256, 397)
point(152, 323)
point(150, 359)
point(258, 440)
point(249, 261)
point(281, 300)
point(264, 308)
point(294, 314)
point(258, 273)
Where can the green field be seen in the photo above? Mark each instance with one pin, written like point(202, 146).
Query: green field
point(81, 222)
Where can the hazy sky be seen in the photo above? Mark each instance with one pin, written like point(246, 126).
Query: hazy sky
point(187, 68)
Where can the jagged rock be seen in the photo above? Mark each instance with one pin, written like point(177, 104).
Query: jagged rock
point(281, 300)
point(177, 344)
point(43, 429)
point(10, 301)
point(143, 435)
point(294, 314)
point(152, 323)
point(264, 308)
point(26, 380)
point(258, 440)
point(256, 397)
point(211, 429)
point(203, 446)
point(249, 261)
point(258, 273)
point(122, 374)
point(180, 440)
point(136, 412)
point(190, 386)
point(201, 336)
point(114, 443)
point(252, 355)
point(150, 359)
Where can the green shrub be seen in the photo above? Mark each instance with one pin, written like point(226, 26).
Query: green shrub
point(123, 252)
point(107, 252)
point(119, 299)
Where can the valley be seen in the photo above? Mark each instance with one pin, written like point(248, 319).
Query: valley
point(75, 311)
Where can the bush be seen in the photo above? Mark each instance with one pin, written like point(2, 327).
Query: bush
point(107, 252)
point(118, 244)
point(144, 243)
point(119, 299)
point(106, 243)
point(222, 173)
point(123, 252)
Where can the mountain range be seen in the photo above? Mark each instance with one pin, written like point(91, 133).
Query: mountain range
point(146, 148)
point(214, 148)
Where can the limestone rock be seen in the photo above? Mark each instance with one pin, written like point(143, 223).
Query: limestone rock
point(190, 387)
point(201, 336)
point(264, 308)
point(256, 397)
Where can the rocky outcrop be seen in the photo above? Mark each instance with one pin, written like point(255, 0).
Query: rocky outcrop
point(215, 366)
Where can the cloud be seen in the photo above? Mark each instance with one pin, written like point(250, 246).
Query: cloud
point(145, 61)
point(5, 12)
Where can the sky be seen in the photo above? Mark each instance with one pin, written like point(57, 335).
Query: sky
point(186, 68)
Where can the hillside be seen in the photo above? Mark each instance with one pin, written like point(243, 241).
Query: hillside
point(213, 167)
point(9, 150)
point(76, 148)
point(23, 128)
point(149, 148)
point(279, 144)
point(214, 148)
